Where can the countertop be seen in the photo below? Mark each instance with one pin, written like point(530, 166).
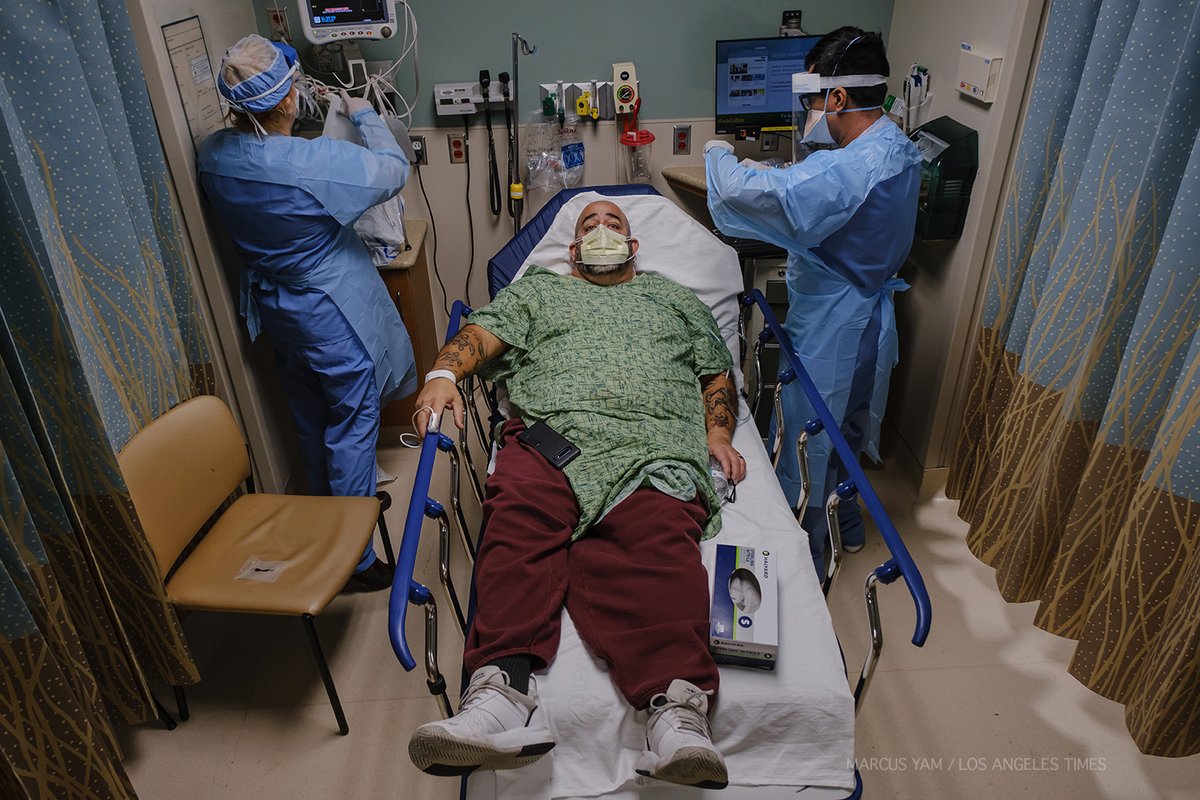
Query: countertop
point(687, 179)
point(414, 231)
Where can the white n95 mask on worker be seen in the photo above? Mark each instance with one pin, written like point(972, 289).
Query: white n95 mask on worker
point(816, 128)
point(602, 246)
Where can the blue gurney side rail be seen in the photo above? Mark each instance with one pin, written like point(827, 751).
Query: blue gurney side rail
point(901, 564)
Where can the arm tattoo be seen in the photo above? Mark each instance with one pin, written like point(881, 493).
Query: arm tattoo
point(462, 354)
point(720, 403)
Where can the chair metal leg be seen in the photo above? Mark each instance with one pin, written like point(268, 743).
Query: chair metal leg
point(164, 716)
point(326, 677)
point(385, 502)
point(181, 703)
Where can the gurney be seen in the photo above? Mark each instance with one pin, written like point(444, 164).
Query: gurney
point(780, 730)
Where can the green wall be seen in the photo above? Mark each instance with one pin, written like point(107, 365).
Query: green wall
point(670, 42)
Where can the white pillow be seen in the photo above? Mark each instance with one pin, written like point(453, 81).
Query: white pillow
point(671, 244)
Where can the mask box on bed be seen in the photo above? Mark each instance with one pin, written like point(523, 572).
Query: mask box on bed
point(744, 622)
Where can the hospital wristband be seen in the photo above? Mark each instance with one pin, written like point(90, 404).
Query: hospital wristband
point(441, 373)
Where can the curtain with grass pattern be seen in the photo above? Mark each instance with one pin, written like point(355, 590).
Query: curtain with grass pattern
point(100, 332)
point(1078, 461)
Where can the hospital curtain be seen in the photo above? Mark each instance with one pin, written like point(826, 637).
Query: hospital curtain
point(100, 332)
point(1078, 461)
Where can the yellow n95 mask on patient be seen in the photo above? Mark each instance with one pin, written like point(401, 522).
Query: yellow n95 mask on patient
point(602, 245)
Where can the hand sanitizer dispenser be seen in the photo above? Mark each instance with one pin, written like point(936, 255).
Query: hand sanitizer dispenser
point(949, 160)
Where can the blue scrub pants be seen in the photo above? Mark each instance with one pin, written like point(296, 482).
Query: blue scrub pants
point(335, 408)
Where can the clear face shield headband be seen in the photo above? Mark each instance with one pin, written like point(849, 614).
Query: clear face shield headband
point(810, 124)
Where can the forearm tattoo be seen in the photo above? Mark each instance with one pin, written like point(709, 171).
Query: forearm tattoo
point(463, 353)
point(720, 404)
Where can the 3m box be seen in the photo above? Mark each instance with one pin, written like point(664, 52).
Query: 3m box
point(744, 624)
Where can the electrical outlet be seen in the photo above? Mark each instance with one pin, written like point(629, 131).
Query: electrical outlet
point(770, 142)
point(280, 31)
point(458, 148)
point(681, 142)
point(418, 146)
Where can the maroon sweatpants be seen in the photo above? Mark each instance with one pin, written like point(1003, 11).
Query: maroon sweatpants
point(634, 585)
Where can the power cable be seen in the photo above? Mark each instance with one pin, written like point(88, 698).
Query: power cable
point(433, 249)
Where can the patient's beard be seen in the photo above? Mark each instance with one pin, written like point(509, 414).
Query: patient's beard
point(599, 269)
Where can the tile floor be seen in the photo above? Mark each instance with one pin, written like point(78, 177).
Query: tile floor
point(984, 710)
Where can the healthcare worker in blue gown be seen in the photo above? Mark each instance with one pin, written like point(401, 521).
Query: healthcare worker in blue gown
point(846, 217)
point(308, 282)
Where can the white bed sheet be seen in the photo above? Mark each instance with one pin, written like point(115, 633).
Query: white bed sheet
point(790, 727)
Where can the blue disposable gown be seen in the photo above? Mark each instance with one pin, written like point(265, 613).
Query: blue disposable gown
point(846, 218)
point(289, 205)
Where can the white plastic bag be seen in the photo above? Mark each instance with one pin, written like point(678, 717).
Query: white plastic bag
point(381, 227)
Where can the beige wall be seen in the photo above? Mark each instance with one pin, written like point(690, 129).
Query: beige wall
point(248, 380)
point(938, 316)
point(446, 185)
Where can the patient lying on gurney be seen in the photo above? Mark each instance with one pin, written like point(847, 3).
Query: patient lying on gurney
point(631, 369)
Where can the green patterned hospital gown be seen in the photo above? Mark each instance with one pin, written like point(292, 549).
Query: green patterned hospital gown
point(615, 370)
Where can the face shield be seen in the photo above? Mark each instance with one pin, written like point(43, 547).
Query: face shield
point(810, 106)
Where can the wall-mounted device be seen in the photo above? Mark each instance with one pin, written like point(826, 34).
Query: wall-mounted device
point(978, 73)
point(789, 24)
point(464, 97)
point(949, 160)
point(332, 21)
point(754, 83)
point(588, 99)
point(625, 87)
point(457, 98)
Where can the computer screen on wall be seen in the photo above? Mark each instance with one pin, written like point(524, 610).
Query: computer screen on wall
point(754, 82)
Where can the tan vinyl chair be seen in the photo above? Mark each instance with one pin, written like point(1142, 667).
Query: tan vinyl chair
point(181, 468)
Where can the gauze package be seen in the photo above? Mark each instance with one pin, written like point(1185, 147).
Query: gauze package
point(744, 621)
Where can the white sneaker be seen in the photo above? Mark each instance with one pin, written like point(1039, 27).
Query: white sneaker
point(490, 731)
point(679, 741)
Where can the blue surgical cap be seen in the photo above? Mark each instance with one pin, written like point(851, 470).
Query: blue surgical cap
point(256, 74)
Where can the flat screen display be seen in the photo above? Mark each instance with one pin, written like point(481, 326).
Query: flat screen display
point(347, 12)
point(754, 82)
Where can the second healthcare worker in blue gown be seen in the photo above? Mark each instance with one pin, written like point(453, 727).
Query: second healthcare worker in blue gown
point(846, 217)
point(308, 281)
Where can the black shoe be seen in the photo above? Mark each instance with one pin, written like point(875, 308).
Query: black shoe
point(372, 579)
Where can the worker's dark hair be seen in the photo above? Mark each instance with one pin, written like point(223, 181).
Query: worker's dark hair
point(866, 56)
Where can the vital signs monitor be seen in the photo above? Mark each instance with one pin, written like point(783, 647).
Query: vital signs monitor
point(330, 21)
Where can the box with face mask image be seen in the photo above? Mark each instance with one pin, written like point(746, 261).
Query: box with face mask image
point(744, 622)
